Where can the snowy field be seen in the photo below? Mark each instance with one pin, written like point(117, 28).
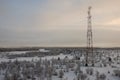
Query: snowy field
point(61, 56)
point(59, 67)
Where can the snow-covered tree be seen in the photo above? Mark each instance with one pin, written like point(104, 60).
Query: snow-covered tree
point(102, 77)
point(89, 71)
point(81, 76)
point(61, 73)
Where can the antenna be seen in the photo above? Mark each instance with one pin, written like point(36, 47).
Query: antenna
point(89, 49)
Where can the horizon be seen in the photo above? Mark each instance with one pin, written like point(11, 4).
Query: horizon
point(54, 46)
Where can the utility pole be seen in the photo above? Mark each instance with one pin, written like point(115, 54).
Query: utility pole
point(89, 49)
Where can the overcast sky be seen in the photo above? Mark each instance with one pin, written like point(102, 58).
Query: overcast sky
point(58, 22)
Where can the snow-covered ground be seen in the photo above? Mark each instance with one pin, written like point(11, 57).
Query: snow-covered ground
point(15, 52)
point(71, 76)
point(61, 56)
point(102, 66)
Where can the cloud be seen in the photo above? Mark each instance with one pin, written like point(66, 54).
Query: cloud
point(58, 22)
point(114, 22)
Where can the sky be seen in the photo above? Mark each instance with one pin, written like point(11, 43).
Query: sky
point(58, 23)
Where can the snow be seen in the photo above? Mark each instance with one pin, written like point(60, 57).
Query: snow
point(61, 56)
point(70, 75)
point(44, 50)
point(1, 77)
point(15, 52)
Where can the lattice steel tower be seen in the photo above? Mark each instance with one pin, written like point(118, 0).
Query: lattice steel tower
point(89, 49)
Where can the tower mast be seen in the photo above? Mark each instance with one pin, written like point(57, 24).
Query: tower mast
point(89, 49)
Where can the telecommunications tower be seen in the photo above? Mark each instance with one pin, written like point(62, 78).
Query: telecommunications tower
point(89, 48)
